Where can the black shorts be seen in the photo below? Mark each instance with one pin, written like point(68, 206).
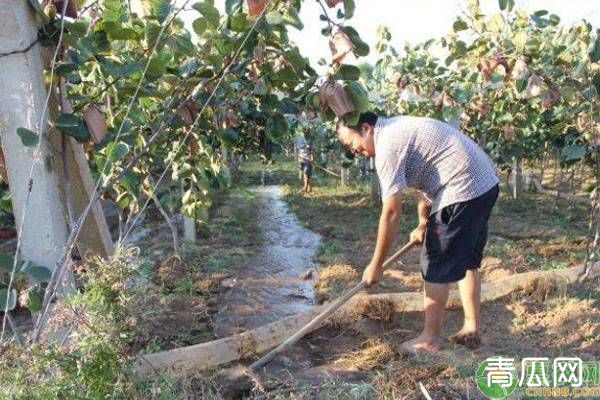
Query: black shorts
point(455, 238)
point(306, 168)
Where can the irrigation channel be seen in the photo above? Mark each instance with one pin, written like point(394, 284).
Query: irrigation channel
point(275, 283)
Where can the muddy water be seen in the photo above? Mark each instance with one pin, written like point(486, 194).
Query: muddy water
point(271, 286)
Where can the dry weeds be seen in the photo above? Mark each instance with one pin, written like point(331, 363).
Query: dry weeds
point(374, 353)
point(333, 280)
point(376, 309)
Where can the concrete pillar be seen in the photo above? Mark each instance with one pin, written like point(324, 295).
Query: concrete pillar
point(23, 97)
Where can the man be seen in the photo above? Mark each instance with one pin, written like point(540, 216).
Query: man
point(457, 186)
point(305, 157)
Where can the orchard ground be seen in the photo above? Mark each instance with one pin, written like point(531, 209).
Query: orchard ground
point(360, 359)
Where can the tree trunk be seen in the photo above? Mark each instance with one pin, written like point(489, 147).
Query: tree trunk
point(517, 178)
point(543, 162)
point(37, 205)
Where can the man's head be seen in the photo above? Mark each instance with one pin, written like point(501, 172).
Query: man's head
point(359, 139)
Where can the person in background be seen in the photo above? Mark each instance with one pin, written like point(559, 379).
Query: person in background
point(305, 158)
point(299, 142)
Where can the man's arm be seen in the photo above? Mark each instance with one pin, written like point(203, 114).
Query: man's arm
point(388, 228)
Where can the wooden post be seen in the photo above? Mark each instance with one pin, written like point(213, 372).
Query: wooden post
point(189, 229)
point(94, 236)
point(345, 176)
point(23, 93)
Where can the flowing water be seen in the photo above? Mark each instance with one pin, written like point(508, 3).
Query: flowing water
point(272, 285)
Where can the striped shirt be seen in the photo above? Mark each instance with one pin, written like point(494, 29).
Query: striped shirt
point(432, 157)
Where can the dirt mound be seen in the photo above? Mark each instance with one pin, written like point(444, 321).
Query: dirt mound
point(168, 271)
point(173, 320)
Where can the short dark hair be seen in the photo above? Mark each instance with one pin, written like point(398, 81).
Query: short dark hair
point(367, 118)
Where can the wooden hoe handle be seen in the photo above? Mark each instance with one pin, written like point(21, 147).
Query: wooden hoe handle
point(267, 358)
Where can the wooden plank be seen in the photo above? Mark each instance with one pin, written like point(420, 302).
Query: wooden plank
point(95, 235)
point(208, 355)
point(223, 351)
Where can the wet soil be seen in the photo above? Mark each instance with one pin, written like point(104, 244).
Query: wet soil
point(274, 282)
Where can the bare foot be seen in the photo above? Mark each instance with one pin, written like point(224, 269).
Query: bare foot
point(467, 338)
point(422, 344)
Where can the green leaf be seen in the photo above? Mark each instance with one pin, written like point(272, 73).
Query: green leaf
point(161, 9)
point(116, 151)
point(117, 70)
point(73, 126)
point(65, 68)
point(28, 138)
point(151, 33)
point(292, 18)
point(100, 41)
point(277, 126)
point(261, 88)
point(209, 12)
point(596, 81)
point(274, 18)
point(287, 106)
point(349, 8)
point(7, 262)
point(573, 153)
point(568, 92)
point(361, 48)
point(37, 272)
point(358, 95)
point(239, 23)
point(158, 66)
point(595, 52)
point(11, 298)
point(199, 25)
point(496, 23)
point(77, 27)
point(519, 40)
point(233, 6)
point(459, 25)
point(123, 34)
point(35, 299)
point(347, 73)
point(295, 58)
point(503, 4)
point(113, 10)
point(229, 135)
point(539, 21)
